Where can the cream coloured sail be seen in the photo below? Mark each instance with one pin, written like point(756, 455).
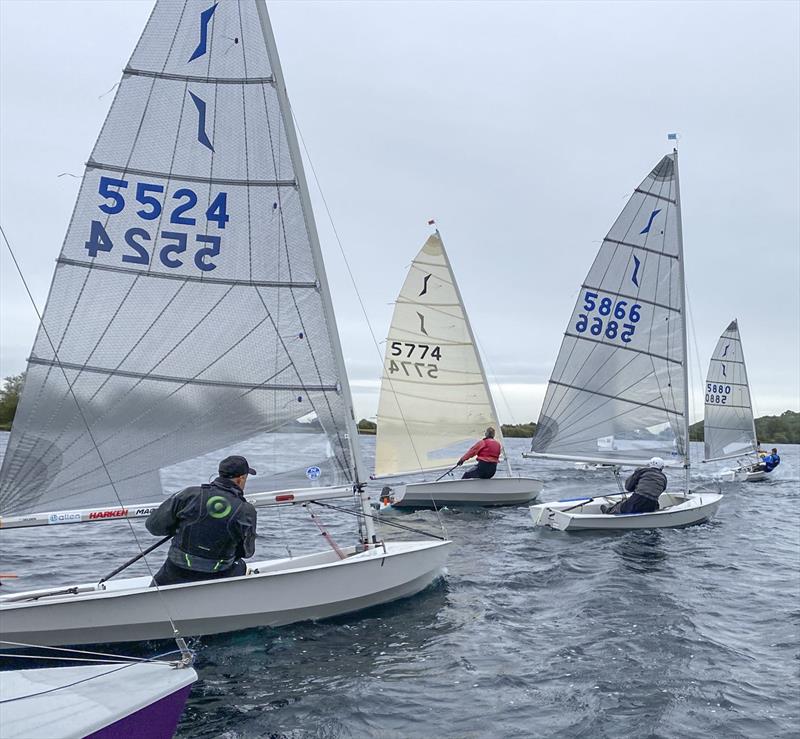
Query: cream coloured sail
point(618, 389)
point(435, 401)
point(728, 426)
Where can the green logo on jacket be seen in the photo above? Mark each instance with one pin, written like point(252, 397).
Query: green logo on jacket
point(218, 507)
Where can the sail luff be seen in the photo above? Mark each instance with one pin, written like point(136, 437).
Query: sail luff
point(749, 394)
point(499, 433)
point(360, 473)
point(684, 337)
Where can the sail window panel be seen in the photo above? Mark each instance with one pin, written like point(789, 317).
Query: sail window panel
point(196, 129)
point(607, 428)
point(417, 445)
point(155, 425)
point(637, 378)
point(177, 30)
point(222, 232)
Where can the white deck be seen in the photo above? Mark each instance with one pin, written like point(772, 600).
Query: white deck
point(76, 701)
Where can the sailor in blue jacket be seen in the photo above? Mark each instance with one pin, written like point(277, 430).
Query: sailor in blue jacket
point(771, 461)
point(213, 527)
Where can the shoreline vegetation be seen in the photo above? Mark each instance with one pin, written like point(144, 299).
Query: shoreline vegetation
point(782, 429)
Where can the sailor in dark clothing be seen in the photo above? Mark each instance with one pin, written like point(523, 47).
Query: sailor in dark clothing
point(213, 527)
point(645, 485)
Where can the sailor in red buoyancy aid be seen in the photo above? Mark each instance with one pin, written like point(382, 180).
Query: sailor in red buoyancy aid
point(488, 452)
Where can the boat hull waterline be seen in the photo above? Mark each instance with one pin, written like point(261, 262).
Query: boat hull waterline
point(276, 593)
point(676, 510)
point(497, 491)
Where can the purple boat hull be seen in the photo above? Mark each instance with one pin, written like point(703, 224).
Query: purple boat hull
point(156, 721)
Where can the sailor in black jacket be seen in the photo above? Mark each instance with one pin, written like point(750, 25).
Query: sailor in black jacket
point(645, 485)
point(213, 527)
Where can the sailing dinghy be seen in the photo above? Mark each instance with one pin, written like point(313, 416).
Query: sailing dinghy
point(618, 392)
point(729, 431)
point(189, 311)
point(107, 701)
point(435, 399)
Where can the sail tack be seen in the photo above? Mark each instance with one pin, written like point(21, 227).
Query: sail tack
point(188, 307)
point(617, 391)
point(728, 426)
point(434, 401)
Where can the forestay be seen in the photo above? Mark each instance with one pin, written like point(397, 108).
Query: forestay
point(434, 400)
point(728, 426)
point(617, 392)
point(189, 306)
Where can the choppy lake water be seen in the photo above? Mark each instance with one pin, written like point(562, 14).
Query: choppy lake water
point(676, 633)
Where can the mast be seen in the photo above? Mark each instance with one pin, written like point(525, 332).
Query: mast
point(684, 339)
point(477, 351)
point(319, 265)
point(749, 394)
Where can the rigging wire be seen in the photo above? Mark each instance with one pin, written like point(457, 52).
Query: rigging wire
point(71, 391)
point(358, 294)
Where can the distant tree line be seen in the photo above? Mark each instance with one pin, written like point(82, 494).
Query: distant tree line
point(510, 430)
point(9, 397)
point(783, 429)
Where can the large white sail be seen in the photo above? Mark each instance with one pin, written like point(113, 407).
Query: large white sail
point(618, 390)
point(728, 426)
point(189, 308)
point(434, 402)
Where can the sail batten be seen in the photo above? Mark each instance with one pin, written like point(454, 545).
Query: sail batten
point(434, 399)
point(618, 384)
point(728, 424)
point(192, 178)
point(192, 182)
point(196, 78)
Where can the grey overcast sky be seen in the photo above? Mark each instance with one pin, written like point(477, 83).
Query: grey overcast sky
point(521, 127)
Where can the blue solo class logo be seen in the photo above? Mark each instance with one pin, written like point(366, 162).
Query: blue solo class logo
point(313, 473)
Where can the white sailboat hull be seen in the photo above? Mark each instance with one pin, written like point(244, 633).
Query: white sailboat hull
point(277, 592)
point(497, 491)
point(744, 474)
point(676, 510)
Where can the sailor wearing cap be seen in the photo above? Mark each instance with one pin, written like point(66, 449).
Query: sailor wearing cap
point(212, 527)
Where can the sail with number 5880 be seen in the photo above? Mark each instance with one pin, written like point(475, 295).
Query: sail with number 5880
point(618, 390)
point(728, 427)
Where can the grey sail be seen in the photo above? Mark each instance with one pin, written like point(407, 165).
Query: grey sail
point(728, 426)
point(618, 392)
point(189, 309)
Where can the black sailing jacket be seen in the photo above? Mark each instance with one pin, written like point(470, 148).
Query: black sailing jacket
point(648, 482)
point(212, 526)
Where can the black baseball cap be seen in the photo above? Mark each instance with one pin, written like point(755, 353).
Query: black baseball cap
point(235, 466)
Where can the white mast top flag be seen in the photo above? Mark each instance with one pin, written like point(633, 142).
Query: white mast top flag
point(434, 400)
point(617, 392)
point(189, 306)
point(728, 426)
